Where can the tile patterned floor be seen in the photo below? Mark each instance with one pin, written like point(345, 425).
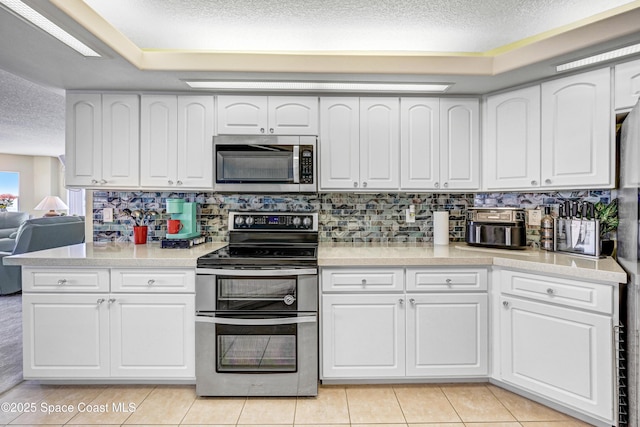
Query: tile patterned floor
point(431, 405)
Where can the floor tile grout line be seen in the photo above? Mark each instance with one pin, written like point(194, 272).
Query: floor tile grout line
point(399, 404)
point(452, 405)
point(501, 403)
point(187, 413)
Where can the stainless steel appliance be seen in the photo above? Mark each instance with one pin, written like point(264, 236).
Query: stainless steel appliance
point(257, 308)
point(496, 227)
point(576, 230)
point(265, 163)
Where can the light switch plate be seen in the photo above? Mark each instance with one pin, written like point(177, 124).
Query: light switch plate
point(107, 215)
point(535, 217)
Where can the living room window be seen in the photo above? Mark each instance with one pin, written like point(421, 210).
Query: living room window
point(9, 191)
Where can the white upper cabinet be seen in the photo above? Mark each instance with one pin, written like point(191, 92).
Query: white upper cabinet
point(177, 142)
point(359, 143)
point(419, 143)
point(627, 84)
point(102, 140)
point(577, 144)
point(459, 144)
point(339, 143)
point(379, 143)
point(511, 149)
point(278, 115)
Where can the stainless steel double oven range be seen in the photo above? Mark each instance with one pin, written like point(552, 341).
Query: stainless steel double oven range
point(257, 308)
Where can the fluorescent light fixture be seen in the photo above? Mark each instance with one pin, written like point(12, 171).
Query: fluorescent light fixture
point(606, 56)
point(45, 24)
point(318, 86)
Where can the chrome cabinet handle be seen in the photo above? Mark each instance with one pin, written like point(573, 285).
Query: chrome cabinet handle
point(505, 304)
point(550, 291)
point(437, 185)
point(62, 282)
point(446, 185)
point(94, 181)
point(150, 282)
point(111, 301)
point(401, 302)
point(103, 181)
point(179, 182)
point(170, 182)
point(261, 130)
point(534, 182)
point(364, 282)
point(364, 184)
point(547, 181)
point(448, 281)
point(412, 301)
point(355, 184)
point(271, 130)
point(100, 301)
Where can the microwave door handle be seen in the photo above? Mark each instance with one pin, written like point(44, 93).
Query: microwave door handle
point(296, 164)
point(257, 322)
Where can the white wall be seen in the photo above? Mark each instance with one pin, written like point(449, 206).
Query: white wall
point(40, 176)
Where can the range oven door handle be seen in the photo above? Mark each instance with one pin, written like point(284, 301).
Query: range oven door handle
point(257, 322)
point(265, 272)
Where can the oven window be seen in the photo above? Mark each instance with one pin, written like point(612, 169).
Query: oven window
point(245, 349)
point(257, 293)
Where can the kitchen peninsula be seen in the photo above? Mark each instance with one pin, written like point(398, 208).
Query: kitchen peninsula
point(541, 324)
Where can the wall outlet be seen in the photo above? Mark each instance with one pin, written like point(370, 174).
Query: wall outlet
point(535, 217)
point(107, 215)
point(410, 214)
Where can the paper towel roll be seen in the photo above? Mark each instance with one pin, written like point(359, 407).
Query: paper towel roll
point(441, 228)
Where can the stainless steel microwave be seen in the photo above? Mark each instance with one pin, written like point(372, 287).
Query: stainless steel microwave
point(269, 163)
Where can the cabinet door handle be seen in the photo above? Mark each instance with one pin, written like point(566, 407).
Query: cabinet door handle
point(100, 301)
point(94, 181)
point(547, 181)
point(505, 304)
point(550, 291)
point(401, 302)
point(534, 182)
point(364, 184)
point(412, 301)
point(355, 184)
point(62, 282)
point(446, 185)
point(261, 130)
point(150, 282)
point(111, 301)
point(170, 182)
point(271, 130)
point(437, 185)
point(179, 182)
point(103, 181)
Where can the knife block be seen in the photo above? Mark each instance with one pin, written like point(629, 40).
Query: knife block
point(577, 236)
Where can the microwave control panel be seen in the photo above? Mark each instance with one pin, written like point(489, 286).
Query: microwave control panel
point(306, 164)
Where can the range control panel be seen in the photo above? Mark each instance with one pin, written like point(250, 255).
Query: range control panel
point(273, 221)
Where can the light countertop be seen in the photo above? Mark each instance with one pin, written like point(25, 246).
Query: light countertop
point(456, 254)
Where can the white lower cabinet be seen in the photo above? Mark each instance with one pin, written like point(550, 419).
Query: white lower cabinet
point(107, 335)
point(400, 334)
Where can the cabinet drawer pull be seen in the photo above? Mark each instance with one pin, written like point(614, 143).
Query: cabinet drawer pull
point(412, 301)
point(401, 302)
point(111, 301)
point(151, 282)
point(62, 282)
point(550, 291)
point(505, 304)
point(448, 281)
point(364, 282)
point(100, 301)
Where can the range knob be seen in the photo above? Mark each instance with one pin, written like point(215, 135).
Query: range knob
point(297, 221)
point(249, 221)
point(239, 220)
point(306, 222)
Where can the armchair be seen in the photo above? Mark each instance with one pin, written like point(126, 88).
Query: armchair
point(9, 224)
point(35, 235)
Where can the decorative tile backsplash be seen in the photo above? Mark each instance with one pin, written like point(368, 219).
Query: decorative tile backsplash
point(344, 217)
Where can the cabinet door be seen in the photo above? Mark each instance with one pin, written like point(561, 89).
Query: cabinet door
point(195, 142)
point(65, 336)
point(363, 336)
point(577, 146)
point(152, 336)
point(242, 115)
point(560, 353)
point(339, 143)
point(627, 84)
point(447, 335)
point(120, 141)
point(379, 143)
point(419, 143)
point(83, 140)
point(512, 147)
point(158, 141)
point(459, 144)
point(293, 115)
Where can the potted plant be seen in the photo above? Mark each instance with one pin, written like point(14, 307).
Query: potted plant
point(607, 213)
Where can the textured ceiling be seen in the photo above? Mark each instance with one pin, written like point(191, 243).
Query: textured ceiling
point(341, 25)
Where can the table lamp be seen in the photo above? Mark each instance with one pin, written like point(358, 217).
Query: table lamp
point(51, 204)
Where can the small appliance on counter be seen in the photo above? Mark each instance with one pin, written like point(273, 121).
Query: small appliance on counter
point(496, 228)
point(577, 230)
point(182, 228)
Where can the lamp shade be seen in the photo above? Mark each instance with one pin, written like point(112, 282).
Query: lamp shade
point(51, 203)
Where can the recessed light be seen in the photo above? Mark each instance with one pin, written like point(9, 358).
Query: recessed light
point(45, 24)
point(605, 56)
point(318, 86)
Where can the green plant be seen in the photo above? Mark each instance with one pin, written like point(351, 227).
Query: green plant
point(607, 213)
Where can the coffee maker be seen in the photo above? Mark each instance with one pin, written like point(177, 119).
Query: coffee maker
point(188, 234)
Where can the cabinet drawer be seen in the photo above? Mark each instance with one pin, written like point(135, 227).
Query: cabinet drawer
point(572, 293)
point(153, 280)
point(426, 280)
point(363, 280)
point(65, 280)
